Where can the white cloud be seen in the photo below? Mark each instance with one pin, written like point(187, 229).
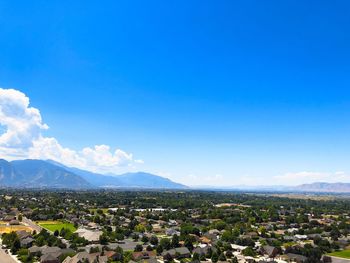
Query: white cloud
point(310, 177)
point(23, 123)
point(23, 138)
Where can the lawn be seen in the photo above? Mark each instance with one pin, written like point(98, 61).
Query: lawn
point(104, 210)
point(342, 254)
point(56, 225)
point(289, 244)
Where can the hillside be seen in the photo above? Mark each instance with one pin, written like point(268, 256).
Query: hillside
point(127, 180)
point(38, 174)
point(50, 174)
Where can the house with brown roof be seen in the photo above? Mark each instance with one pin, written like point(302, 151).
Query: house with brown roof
point(179, 252)
point(270, 251)
point(143, 255)
point(49, 258)
point(83, 257)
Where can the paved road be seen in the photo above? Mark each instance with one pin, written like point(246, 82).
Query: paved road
point(31, 224)
point(339, 260)
point(6, 258)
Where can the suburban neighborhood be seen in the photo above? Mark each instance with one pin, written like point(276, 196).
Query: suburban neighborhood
point(180, 226)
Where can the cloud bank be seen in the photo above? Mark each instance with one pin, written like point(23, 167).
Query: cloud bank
point(21, 136)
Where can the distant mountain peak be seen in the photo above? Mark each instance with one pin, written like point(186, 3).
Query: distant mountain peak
point(32, 173)
point(128, 180)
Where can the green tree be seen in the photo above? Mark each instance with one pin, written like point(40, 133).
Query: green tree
point(195, 257)
point(214, 257)
point(154, 240)
point(249, 252)
point(222, 257)
point(20, 218)
point(188, 243)
point(140, 228)
point(144, 239)
point(234, 260)
point(103, 239)
point(149, 248)
point(209, 253)
point(159, 249)
point(138, 248)
point(229, 254)
point(165, 243)
point(175, 241)
point(167, 257)
point(15, 246)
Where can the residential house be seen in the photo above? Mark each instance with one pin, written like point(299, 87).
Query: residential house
point(83, 257)
point(49, 258)
point(291, 257)
point(27, 242)
point(203, 250)
point(270, 251)
point(143, 255)
point(92, 236)
point(171, 232)
point(179, 252)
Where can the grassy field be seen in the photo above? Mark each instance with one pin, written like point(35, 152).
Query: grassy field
point(9, 229)
point(93, 210)
point(56, 225)
point(341, 254)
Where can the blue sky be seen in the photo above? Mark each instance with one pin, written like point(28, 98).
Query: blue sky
point(203, 92)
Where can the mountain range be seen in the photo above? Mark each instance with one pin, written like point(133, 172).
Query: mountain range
point(49, 174)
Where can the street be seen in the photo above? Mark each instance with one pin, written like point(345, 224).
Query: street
point(31, 224)
point(6, 258)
